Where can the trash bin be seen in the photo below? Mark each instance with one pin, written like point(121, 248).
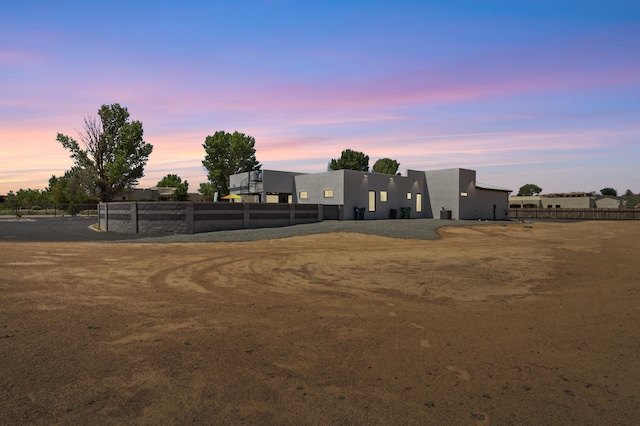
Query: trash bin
point(359, 213)
point(393, 214)
point(445, 214)
point(406, 212)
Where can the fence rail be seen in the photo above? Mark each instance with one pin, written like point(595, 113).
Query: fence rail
point(576, 214)
point(22, 209)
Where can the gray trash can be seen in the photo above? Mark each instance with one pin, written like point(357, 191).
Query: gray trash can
point(445, 214)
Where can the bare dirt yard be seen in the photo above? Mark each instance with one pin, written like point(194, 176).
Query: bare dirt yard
point(495, 324)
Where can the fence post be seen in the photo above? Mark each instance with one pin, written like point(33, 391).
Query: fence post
point(134, 216)
point(189, 217)
point(246, 215)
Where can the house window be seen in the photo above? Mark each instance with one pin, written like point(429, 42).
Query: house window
point(372, 201)
point(290, 199)
point(557, 206)
point(328, 193)
point(463, 194)
point(418, 203)
point(303, 195)
point(550, 206)
point(408, 195)
point(383, 196)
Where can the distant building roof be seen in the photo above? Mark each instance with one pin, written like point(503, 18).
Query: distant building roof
point(491, 187)
point(568, 195)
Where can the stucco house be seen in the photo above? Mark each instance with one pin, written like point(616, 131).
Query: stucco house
point(572, 200)
point(449, 193)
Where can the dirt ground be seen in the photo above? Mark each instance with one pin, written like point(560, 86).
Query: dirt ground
point(495, 324)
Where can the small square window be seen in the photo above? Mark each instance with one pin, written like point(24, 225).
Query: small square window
point(303, 195)
point(383, 196)
point(328, 193)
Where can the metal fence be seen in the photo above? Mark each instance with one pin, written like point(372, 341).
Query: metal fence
point(576, 214)
point(29, 209)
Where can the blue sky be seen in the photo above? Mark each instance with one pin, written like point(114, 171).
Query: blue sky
point(544, 92)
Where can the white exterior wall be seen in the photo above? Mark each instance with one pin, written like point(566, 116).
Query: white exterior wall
point(456, 190)
point(567, 202)
point(315, 185)
point(525, 201)
point(608, 203)
point(444, 191)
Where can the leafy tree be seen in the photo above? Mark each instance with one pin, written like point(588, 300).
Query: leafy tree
point(68, 190)
point(529, 189)
point(350, 160)
point(13, 202)
point(609, 192)
point(27, 198)
point(628, 193)
point(228, 154)
point(386, 166)
point(181, 188)
point(114, 153)
point(208, 191)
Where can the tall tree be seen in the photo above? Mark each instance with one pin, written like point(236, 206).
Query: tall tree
point(609, 192)
point(386, 166)
point(208, 191)
point(529, 189)
point(114, 153)
point(181, 192)
point(227, 154)
point(67, 191)
point(350, 160)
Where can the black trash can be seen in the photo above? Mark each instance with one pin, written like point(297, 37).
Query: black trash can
point(393, 214)
point(406, 212)
point(445, 214)
point(359, 213)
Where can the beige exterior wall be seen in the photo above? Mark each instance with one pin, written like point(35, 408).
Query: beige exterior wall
point(569, 202)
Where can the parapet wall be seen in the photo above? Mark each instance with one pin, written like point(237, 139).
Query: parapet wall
point(190, 218)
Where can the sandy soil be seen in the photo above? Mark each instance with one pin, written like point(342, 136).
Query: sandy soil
point(499, 324)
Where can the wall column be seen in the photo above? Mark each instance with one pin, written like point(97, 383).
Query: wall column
point(292, 214)
point(246, 217)
point(189, 217)
point(134, 217)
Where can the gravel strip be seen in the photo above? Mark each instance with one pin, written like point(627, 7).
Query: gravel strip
point(415, 229)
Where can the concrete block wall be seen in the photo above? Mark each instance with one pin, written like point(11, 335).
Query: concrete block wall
point(189, 218)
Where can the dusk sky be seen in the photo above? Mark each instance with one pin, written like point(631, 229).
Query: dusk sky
point(543, 92)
